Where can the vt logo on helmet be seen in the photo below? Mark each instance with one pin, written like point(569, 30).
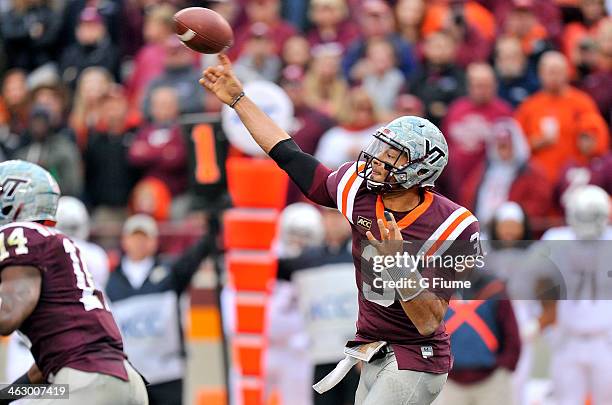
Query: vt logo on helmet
point(409, 151)
point(28, 193)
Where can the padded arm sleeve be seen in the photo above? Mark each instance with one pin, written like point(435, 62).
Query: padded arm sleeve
point(305, 171)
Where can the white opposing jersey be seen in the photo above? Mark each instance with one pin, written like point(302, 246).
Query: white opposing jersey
point(590, 315)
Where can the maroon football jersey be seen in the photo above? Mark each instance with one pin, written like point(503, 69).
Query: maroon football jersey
point(71, 325)
point(433, 226)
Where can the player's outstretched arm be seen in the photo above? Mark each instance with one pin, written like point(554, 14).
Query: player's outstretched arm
point(221, 81)
point(305, 171)
point(19, 293)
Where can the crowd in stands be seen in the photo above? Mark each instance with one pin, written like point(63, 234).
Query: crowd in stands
point(99, 93)
point(95, 91)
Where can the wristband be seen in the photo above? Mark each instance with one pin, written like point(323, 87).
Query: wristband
point(409, 282)
point(237, 99)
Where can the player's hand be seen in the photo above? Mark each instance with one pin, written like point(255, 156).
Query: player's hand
point(391, 236)
point(221, 80)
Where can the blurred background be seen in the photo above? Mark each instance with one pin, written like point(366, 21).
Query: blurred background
point(103, 95)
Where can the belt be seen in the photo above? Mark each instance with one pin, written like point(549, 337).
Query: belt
point(342, 368)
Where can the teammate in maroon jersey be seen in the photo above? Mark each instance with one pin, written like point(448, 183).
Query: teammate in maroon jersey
point(392, 179)
point(47, 294)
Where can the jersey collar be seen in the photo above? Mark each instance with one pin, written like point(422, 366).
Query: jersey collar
point(410, 217)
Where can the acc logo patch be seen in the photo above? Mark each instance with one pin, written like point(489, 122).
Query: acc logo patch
point(364, 222)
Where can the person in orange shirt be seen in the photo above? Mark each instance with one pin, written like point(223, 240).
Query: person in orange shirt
point(553, 117)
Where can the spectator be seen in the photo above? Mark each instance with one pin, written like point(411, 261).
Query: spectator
point(331, 23)
point(468, 125)
point(472, 45)
point(439, 81)
point(507, 175)
point(258, 60)
point(601, 169)
point(30, 32)
point(53, 152)
point(310, 124)
point(474, 14)
point(108, 185)
point(382, 80)
point(145, 294)
point(94, 83)
point(579, 36)
point(267, 12)
point(547, 13)
point(550, 117)
point(159, 148)
point(517, 78)
point(15, 94)
point(376, 20)
point(522, 23)
point(110, 11)
point(296, 51)
point(406, 104)
point(344, 142)
point(597, 83)
point(149, 61)
point(585, 167)
point(485, 356)
point(54, 98)
point(93, 48)
point(324, 86)
point(180, 74)
point(152, 197)
point(410, 15)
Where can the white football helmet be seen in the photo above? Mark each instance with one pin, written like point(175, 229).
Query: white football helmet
point(27, 193)
point(420, 140)
point(587, 211)
point(72, 218)
point(300, 226)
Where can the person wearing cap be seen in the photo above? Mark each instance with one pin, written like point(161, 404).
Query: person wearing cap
point(258, 60)
point(509, 241)
point(145, 294)
point(93, 48)
point(53, 151)
point(507, 174)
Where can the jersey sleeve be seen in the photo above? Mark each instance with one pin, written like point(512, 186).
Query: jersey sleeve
point(23, 245)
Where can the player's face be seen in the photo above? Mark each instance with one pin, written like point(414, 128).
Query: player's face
point(139, 246)
point(386, 155)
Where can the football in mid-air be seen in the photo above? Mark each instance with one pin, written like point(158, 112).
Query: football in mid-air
point(203, 30)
